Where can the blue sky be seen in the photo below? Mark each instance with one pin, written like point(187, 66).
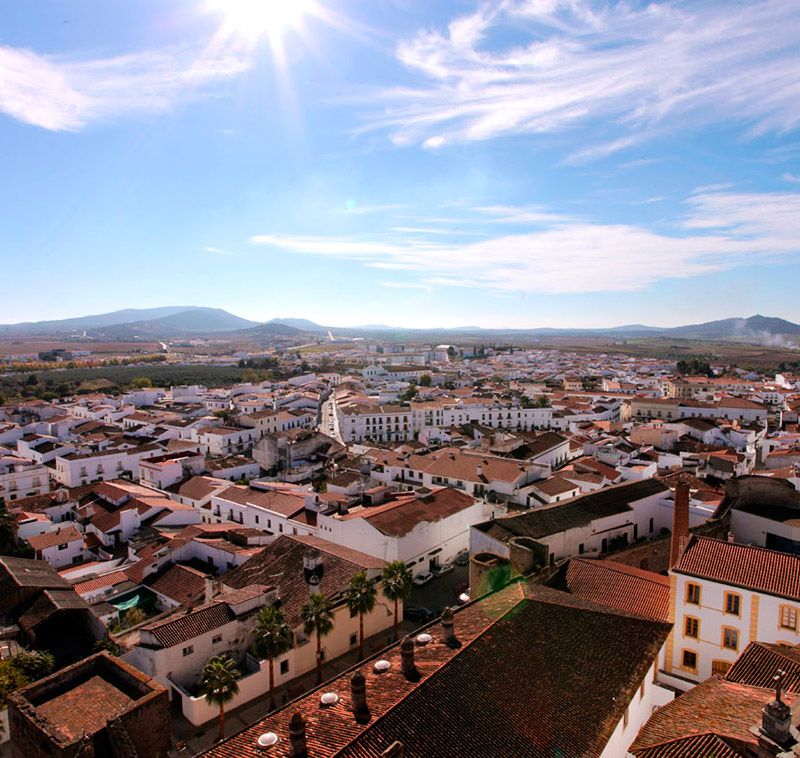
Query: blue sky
point(507, 163)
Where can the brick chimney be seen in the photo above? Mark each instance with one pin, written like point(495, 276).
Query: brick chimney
point(358, 693)
point(297, 736)
point(680, 522)
point(407, 664)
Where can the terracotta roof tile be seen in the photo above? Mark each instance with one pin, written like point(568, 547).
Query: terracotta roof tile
point(746, 566)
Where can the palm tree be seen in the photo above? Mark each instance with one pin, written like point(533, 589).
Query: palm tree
point(272, 637)
point(360, 595)
point(218, 684)
point(317, 618)
point(396, 585)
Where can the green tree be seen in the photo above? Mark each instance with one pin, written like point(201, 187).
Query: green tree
point(34, 664)
point(542, 401)
point(218, 683)
point(317, 619)
point(451, 352)
point(133, 616)
point(396, 585)
point(141, 382)
point(425, 380)
point(360, 596)
point(272, 637)
point(410, 393)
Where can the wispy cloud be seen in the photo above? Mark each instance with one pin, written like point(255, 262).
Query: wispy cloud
point(792, 178)
point(719, 231)
point(218, 251)
point(639, 68)
point(360, 210)
point(67, 94)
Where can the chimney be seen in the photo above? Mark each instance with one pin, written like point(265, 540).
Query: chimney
point(358, 693)
point(731, 537)
point(297, 736)
point(680, 522)
point(312, 570)
point(776, 717)
point(408, 666)
point(479, 471)
point(212, 588)
point(395, 750)
point(448, 636)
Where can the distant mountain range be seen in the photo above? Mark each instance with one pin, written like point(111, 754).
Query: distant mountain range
point(132, 322)
point(180, 321)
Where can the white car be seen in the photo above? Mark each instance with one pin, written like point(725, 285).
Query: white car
point(420, 579)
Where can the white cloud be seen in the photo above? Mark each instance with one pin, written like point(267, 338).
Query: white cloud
point(793, 178)
point(720, 231)
point(218, 250)
point(639, 68)
point(62, 94)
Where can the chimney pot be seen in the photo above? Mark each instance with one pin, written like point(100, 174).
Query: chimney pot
point(358, 693)
point(731, 537)
point(448, 636)
point(297, 736)
point(408, 666)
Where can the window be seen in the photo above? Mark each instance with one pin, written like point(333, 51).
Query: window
point(720, 668)
point(62, 546)
point(284, 667)
point(353, 639)
point(188, 650)
point(732, 603)
point(641, 691)
point(730, 638)
point(691, 627)
point(693, 593)
point(580, 549)
point(788, 617)
point(689, 660)
point(216, 639)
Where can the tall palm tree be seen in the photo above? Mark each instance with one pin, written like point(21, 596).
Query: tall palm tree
point(218, 684)
point(396, 585)
point(317, 618)
point(272, 637)
point(360, 596)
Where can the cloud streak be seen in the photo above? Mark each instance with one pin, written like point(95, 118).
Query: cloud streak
point(639, 68)
point(62, 94)
point(719, 231)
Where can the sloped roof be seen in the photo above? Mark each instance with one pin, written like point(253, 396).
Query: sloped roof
point(537, 673)
point(625, 588)
point(760, 661)
point(746, 566)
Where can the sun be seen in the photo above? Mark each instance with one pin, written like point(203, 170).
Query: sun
point(262, 18)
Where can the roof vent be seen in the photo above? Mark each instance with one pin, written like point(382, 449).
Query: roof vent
point(424, 638)
point(268, 739)
point(329, 698)
point(382, 666)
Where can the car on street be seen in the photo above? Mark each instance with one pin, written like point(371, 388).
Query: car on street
point(462, 559)
point(417, 613)
point(445, 568)
point(422, 579)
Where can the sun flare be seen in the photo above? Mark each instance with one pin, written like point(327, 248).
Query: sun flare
point(263, 18)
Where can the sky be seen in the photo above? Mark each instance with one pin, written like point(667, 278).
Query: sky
point(507, 163)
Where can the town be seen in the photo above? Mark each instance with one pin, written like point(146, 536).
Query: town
point(299, 565)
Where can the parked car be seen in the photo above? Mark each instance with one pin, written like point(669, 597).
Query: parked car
point(462, 559)
point(421, 579)
point(460, 589)
point(417, 613)
point(445, 568)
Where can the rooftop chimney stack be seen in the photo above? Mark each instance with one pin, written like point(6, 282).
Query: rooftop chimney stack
point(448, 636)
point(776, 717)
point(680, 522)
point(731, 537)
point(408, 666)
point(358, 693)
point(297, 736)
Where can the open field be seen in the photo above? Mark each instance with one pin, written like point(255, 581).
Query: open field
point(32, 345)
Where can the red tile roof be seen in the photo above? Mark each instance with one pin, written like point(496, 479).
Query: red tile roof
point(182, 584)
point(175, 630)
point(760, 661)
point(57, 537)
point(537, 673)
point(697, 746)
point(746, 566)
point(727, 709)
point(625, 588)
